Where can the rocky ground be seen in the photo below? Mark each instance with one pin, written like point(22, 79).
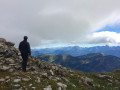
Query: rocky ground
point(41, 75)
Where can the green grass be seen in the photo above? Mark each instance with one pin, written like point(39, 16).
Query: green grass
point(51, 60)
point(74, 80)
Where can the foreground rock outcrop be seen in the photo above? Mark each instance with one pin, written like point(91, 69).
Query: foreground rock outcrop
point(42, 75)
point(10, 60)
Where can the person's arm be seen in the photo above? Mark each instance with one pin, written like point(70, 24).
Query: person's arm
point(19, 47)
point(29, 49)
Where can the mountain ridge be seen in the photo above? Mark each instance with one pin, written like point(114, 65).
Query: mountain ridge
point(78, 51)
point(95, 62)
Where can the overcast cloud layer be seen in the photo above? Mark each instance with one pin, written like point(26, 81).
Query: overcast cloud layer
point(52, 21)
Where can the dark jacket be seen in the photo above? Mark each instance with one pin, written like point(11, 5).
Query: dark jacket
point(24, 48)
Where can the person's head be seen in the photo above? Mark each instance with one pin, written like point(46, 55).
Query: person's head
point(25, 37)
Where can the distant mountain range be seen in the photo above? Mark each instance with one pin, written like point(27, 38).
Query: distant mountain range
point(78, 51)
point(95, 62)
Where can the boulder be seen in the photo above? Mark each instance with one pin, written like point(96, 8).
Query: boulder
point(33, 88)
point(61, 86)
point(7, 77)
point(2, 40)
point(30, 85)
point(51, 72)
point(44, 75)
point(2, 80)
point(10, 43)
point(17, 80)
point(25, 79)
point(10, 61)
point(16, 86)
point(87, 81)
point(103, 76)
point(47, 87)
point(5, 68)
point(11, 69)
point(38, 80)
point(2, 50)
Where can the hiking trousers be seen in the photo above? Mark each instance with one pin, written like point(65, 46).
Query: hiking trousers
point(24, 62)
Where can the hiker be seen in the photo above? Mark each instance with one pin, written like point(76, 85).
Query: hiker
point(25, 50)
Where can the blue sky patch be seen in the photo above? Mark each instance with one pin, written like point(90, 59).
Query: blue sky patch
point(115, 28)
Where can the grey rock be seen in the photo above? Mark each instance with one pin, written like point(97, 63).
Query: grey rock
point(19, 54)
point(103, 76)
point(73, 85)
point(116, 81)
point(25, 79)
point(32, 68)
point(35, 72)
point(66, 79)
point(2, 50)
point(61, 86)
point(117, 88)
point(38, 80)
point(8, 80)
point(50, 77)
point(0, 67)
point(98, 85)
point(33, 88)
point(51, 72)
point(2, 80)
point(16, 86)
point(87, 81)
point(2, 40)
point(18, 67)
point(30, 85)
point(11, 70)
point(16, 74)
point(5, 68)
point(110, 80)
point(12, 65)
point(17, 80)
point(32, 73)
point(20, 57)
point(7, 77)
point(54, 67)
point(1, 63)
point(48, 87)
point(57, 78)
point(10, 43)
point(11, 61)
point(44, 75)
point(1, 45)
point(8, 54)
point(110, 84)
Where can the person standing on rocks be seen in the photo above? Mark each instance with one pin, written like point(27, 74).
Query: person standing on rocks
point(25, 50)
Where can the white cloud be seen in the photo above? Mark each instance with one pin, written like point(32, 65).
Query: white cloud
point(105, 37)
point(49, 21)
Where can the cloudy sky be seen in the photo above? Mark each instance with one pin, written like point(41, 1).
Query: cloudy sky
point(61, 22)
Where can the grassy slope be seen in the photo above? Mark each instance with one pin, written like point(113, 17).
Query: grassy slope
point(104, 83)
